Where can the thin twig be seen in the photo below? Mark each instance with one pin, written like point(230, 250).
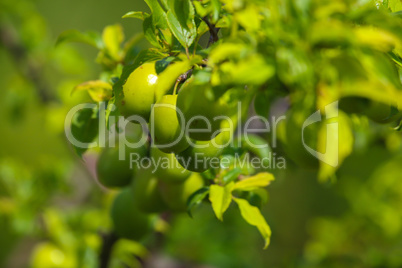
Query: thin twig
point(213, 32)
point(109, 240)
point(183, 77)
point(30, 69)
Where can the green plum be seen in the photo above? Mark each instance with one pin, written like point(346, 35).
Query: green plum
point(128, 221)
point(139, 91)
point(113, 172)
point(200, 104)
point(176, 195)
point(204, 154)
point(146, 193)
point(168, 169)
point(165, 128)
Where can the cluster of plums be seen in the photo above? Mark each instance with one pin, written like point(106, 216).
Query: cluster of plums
point(173, 116)
point(156, 189)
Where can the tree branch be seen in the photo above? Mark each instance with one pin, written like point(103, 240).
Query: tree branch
point(213, 32)
point(30, 69)
point(109, 239)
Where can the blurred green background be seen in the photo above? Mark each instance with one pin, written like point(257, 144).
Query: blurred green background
point(51, 207)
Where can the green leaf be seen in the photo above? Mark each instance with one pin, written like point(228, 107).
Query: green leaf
point(157, 33)
point(202, 29)
point(260, 180)
point(196, 198)
point(244, 72)
point(136, 15)
point(162, 64)
point(200, 9)
point(396, 58)
point(212, 8)
point(89, 38)
point(159, 9)
point(112, 37)
point(150, 32)
point(216, 8)
point(237, 64)
point(255, 144)
point(249, 18)
point(224, 51)
point(253, 216)
point(133, 248)
point(183, 10)
point(98, 90)
point(231, 175)
point(395, 5)
point(180, 18)
point(148, 55)
point(185, 35)
point(85, 127)
point(220, 197)
point(294, 67)
point(379, 39)
point(223, 22)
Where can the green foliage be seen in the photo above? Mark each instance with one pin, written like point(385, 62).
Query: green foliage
point(136, 15)
point(98, 90)
point(180, 18)
point(288, 58)
point(220, 197)
point(90, 38)
point(85, 127)
point(196, 199)
point(254, 217)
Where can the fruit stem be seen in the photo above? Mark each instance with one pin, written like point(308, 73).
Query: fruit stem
point(175, 87)
point(187, 53)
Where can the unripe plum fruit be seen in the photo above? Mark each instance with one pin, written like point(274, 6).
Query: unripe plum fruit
point(113, 172)
point(128, 221)
point(146, 192)
point(176, 195)
point(139, 91)
point(198, 158)
point(165, 127)
point(201, 104)
point(169, 169)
